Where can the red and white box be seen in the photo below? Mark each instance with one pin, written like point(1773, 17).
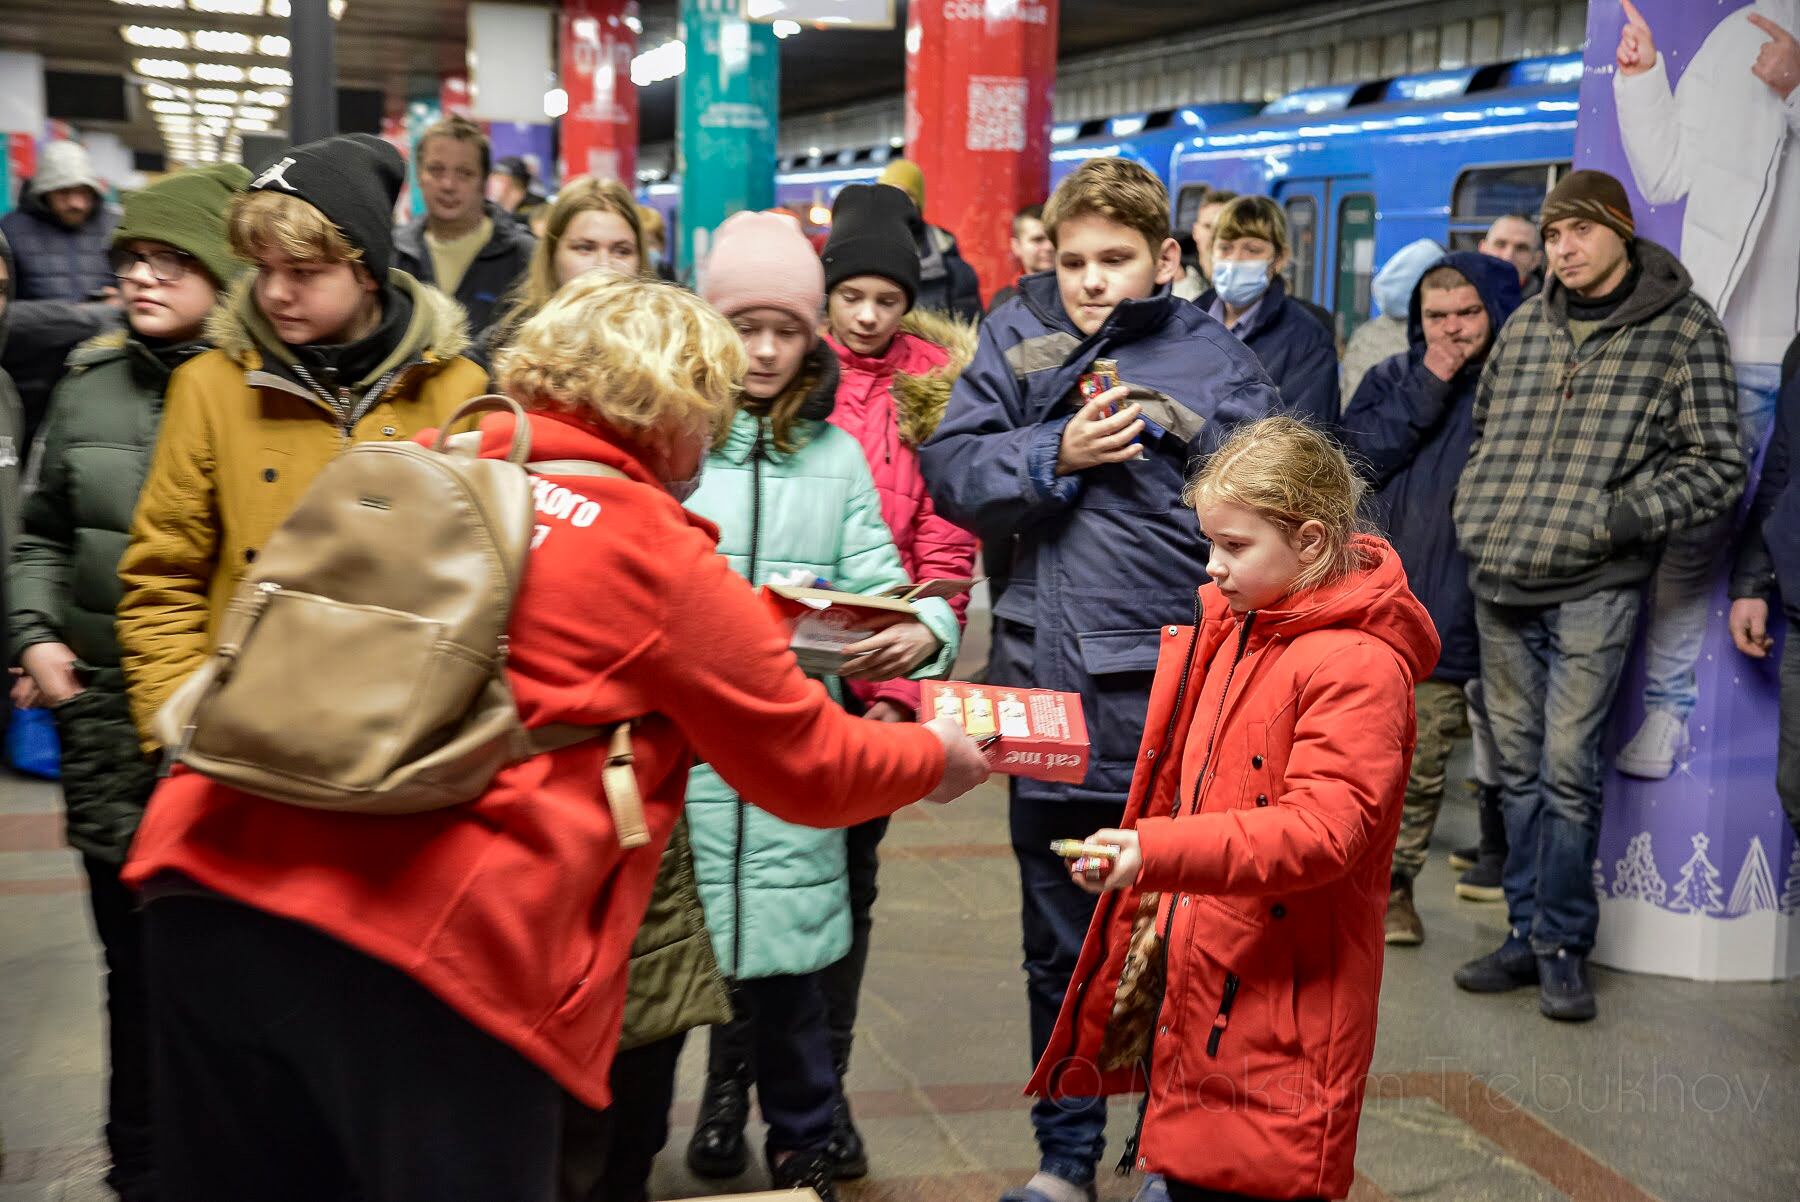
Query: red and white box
point(822, 622)
point(1041, 734)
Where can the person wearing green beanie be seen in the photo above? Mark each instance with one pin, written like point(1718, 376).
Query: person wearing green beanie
point(172, 261)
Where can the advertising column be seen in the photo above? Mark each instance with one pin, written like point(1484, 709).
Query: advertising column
point(600, 130)
point(980, 79)
point(1698, 873)
point(730, 100)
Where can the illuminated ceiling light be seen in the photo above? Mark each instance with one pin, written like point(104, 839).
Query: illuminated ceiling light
point(786, 29)
point(665, 62)
point(219, 73)
point(556, 103)
point(272, 45)
point(256, 114)
point(217, 95)
point(171, 106)
point(273, 99)
point(153, 37)
point(162, 68)
point(223, 41)
point(233, 8)
point(213, 110)
point(255, 127)
point(281, 8)
point(159, 91)
point(271, 76)
point(149, 3)
point(633, 24)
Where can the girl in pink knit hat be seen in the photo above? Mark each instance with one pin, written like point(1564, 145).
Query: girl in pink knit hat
point(791, 494)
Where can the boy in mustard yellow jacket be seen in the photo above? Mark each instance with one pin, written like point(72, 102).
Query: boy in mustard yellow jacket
point(323, 345)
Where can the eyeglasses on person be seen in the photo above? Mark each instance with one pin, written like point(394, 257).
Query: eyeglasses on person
point(167, 266)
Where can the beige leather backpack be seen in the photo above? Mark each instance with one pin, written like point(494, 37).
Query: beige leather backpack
point(361, 665)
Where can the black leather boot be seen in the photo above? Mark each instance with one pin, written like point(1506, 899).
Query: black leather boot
point(846, 1156)
point(802, 1170)
point(717, 1148)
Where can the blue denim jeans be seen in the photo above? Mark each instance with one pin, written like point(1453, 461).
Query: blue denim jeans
point(1549, 675)
point(1055, 912)
point(1689, 572)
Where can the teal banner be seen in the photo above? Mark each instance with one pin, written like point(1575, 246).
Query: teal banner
point(730, 96)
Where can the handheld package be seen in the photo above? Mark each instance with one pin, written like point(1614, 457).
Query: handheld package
point(1040, 733)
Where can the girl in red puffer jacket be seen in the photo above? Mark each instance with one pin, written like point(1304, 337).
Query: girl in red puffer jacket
point(895, 370)
point(1233, 969)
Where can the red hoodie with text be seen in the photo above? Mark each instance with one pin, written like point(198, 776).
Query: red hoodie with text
point(519, 908)
point(1267, 798)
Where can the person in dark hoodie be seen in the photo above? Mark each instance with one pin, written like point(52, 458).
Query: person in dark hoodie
point(947, 284)
point(1768, 569)
point(1408, 429)
point(64, 293)
point(323, 345)
point(1606, 420)
point(466, 246)
point(172, 261)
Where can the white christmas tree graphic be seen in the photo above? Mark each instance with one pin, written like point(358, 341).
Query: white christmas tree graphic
point(1755, 888)
point(1790, 896)
point(1697, 890)
point(1636, 874)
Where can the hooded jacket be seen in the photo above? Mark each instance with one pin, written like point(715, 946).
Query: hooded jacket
point(890, 404)
point(242, 438)
point(1768, 558)
point(1299, 354)
point(776, 895)
point(947, 284)
point(1587, 457)
point(519, 909)
point(56, 270)
point(63, 583)
point(1409, 433)
point(497, 267)
point(1103, 560)
point(1267, 799)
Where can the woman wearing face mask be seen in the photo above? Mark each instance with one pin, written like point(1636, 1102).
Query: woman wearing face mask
point(1250, 249)
point(593, 225)
point(790, 493)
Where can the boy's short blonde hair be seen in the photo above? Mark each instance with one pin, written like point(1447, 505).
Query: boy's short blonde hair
point(261, 222)
point(639, 355)
point(1253, 217)
point(1290, 474)
point(1118, 190)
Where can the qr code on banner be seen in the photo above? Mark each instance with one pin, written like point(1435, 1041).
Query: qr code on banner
point(997, 112)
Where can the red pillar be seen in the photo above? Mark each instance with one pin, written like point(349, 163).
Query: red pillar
point(600, 130)
point(980, 79)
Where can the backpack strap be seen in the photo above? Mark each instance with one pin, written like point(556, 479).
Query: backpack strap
point(618, 778)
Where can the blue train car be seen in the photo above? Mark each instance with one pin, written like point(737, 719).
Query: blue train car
point(1148, 138)
point(1361, 171)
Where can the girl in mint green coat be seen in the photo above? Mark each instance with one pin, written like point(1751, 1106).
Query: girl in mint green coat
point(790, 493)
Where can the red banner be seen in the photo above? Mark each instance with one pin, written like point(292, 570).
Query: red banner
point(980, 80)
point(600, 130)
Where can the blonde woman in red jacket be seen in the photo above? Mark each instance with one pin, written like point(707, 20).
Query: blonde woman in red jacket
point(391, 1008)
point(1257, 842)
point(896, 366)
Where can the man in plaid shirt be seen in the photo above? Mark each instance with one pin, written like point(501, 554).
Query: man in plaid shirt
point(1606, 419)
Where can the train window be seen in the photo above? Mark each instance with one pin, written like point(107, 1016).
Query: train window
point(1355, 263)
point(1482, 194)
point(1187, 207)
point(1303, 239)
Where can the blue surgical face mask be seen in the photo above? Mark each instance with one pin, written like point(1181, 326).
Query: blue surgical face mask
point(1242, 282)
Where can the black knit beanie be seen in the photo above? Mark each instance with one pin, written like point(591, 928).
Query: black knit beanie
point(355, 180)
point(870, 235)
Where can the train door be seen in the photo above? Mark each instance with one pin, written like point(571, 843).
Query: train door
point(1303, 200)
point(1331, 226)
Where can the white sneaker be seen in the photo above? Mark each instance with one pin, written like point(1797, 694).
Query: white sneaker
point(1651, 753)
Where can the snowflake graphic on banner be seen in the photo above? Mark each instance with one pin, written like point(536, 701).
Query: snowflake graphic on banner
point(1697, 890)
point(996, 117)
point(1636, 874)
point(1790, 895)
point(1755, 888)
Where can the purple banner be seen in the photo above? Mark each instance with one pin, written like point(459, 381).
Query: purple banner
point(1683, 102)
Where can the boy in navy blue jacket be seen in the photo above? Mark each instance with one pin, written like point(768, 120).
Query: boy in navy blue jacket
point(1409, 429)
point(1084, 482)
point(1768, 566)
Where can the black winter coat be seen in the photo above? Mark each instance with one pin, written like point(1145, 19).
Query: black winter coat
point(1299, 354)
point(497, 267)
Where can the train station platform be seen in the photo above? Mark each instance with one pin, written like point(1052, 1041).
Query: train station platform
point(1680, 1091)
